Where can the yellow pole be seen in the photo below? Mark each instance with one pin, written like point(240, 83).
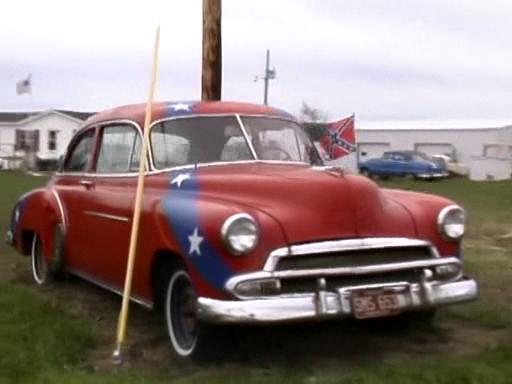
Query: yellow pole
point(123, 315)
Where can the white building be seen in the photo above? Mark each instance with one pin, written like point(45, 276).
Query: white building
point(43, 136)
point(485, 147)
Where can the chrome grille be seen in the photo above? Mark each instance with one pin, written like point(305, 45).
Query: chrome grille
point(353, 258)
point(309, 284)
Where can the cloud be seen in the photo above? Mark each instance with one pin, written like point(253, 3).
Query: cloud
point(378, 58)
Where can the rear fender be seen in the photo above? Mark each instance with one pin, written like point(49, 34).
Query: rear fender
point(40, 211)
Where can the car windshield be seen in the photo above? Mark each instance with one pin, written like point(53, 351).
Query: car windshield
point(282, 140)
point(207, 139)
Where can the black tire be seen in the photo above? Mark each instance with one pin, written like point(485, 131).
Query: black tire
point(190, 338)
point(41, 271)
point(366, 173)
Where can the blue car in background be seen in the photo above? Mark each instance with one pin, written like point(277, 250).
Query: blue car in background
point(404, 163)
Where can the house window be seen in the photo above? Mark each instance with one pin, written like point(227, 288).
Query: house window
point(27, 140)
point(52, 140)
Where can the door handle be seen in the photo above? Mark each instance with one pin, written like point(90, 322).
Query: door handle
point(86, 183)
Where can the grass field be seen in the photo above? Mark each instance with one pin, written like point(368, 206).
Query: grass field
point(65, 333)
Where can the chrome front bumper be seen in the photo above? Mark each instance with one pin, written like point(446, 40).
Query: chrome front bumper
point(438, 175)
point(332, 304)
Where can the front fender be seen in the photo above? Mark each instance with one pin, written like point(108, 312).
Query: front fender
point(192, 226)
point(424, 208)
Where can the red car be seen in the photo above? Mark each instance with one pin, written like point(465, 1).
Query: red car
point(241, 223)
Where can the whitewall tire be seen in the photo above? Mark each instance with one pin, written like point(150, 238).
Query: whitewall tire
point(180, 314)
point(40, 266)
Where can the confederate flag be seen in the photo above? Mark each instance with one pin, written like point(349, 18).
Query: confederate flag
point(339, 139)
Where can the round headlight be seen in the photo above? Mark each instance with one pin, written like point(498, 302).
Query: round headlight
point(240, 233)
point(452, 222)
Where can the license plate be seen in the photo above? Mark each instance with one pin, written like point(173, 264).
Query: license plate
point(374, 303)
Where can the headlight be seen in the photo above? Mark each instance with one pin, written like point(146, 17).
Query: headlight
point(240, 233)
point(452, 222)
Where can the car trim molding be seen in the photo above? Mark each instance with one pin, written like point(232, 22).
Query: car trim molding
point(100, 283)
point(108, 216)
point(61, 207)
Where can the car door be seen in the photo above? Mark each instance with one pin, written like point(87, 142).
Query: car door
point(401, 164)
point(110, 201)
point(386, 164)
point(72, 186)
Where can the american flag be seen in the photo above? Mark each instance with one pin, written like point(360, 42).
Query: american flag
point(339, 139)
point(24, 86)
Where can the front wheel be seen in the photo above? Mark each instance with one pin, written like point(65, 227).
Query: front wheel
point(190, 338)
point(40, 267)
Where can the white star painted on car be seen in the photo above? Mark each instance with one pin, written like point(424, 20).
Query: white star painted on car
point(180, 179)
point(180, 107)
point(195, 242)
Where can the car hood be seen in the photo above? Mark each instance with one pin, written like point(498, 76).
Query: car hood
point(310, 204)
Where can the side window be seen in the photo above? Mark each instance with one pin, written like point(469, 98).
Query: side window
point(80, 156)
point(119, 149)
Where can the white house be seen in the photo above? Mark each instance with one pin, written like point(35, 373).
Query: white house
point(42, 135)
point(485, 147)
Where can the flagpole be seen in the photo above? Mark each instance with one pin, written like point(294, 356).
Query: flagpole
point(117, 356)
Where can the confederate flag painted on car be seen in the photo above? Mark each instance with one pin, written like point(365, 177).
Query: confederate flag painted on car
point(339, 139)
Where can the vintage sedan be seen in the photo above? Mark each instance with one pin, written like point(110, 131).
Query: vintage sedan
point(241, 223)
point(404, 163)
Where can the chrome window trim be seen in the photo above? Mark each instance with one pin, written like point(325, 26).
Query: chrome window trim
point(108, 216)
point(98, 175)
point(179, 168)
point(345, 245)
point(224, 163)
point(247, 138)
point(101, 125)
point(238, 117)
point(153, 171)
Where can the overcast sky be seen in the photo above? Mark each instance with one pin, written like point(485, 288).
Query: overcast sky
point(382, 59)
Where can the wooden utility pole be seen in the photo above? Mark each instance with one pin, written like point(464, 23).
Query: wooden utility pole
point(211, 79)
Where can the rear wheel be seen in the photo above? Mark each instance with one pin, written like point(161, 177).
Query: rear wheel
point(366, 173)
point(40, 267)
